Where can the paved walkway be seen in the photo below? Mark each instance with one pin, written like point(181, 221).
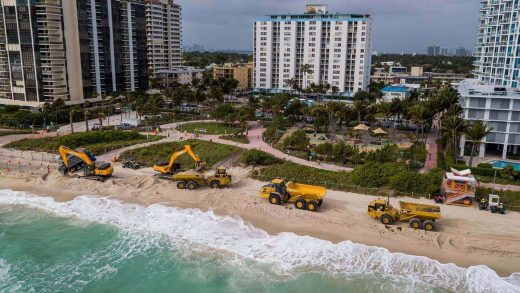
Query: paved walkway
point(431, 146)
point(255, 142)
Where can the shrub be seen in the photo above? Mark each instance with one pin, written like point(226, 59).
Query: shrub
point(409, 181)
point(388, 153)
point(296, 141)
point(374, 174)
point(343, 152)
point(485, 166)
point(96, 141)
point(256, 157)
point(325, 149)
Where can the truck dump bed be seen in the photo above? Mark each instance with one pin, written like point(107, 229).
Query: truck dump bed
point(317, 192)
point(422, 211)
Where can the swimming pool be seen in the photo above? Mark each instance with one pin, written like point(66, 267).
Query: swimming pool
point(503, 164)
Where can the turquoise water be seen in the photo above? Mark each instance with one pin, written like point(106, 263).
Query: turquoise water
point(503, 164)
point(101, 245)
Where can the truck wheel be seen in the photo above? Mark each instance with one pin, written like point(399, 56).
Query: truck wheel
point(181, 185)
point(313, 206)
point(320, 202)
point(415, 223)
point(275, 199)
point(214, 184)
point(191, 185)
point(386, 219)
point(428, 225)
point(300, 204)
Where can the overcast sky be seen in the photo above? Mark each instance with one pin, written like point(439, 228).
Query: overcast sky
point(398, 25)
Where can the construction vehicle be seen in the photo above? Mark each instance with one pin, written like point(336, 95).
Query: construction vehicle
point(74, 160)
point(166, 169)
point(459, 188)
point(131, 164)
point(419, 216)
point(495, 206)
point(195, 178)
point(304, 197)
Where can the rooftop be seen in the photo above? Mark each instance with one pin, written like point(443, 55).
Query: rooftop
point(315, 11)
point(474, 87)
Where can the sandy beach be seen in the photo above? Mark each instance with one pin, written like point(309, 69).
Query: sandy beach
point(464, 236)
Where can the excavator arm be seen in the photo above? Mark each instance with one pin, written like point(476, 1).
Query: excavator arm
point(64, 152)
point(167, 168)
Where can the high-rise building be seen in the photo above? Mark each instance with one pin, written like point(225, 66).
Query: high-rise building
point(163, 23)
point(498, 50)
point(32, 51)
point(493, 97)
point(462, 52)
point(433, 50)
point(312, 47)
point(77, 49)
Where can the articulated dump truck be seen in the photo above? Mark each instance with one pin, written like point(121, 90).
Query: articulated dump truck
point(304, 197)
point(419, 216)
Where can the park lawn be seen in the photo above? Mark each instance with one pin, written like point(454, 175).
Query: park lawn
point(211, 128)
point(236, 138)
point(98, 142)
point(209, 152)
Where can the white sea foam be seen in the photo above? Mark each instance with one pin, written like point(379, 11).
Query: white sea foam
point(286, 252)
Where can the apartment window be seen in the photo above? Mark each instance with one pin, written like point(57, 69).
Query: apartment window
point(498, 115)
point(515, 116)
point(477, 102)
point(476, 114)
point(500, 103)
point(514, 127)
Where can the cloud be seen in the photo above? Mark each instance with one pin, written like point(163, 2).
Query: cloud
point(398, 25)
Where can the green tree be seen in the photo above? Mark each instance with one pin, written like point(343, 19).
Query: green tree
point(453, 127)
point(476, 133)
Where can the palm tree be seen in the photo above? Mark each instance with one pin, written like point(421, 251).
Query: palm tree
point(72, 111)
point(86, 113)
point(421, 115)
point(292, 83)
point(453, 127)
point(359, 108)
point(476, 133)
point(306, 70)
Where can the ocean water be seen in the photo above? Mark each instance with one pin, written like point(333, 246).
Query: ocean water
point(101, 245)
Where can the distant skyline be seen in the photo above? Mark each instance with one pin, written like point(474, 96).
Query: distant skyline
point(399, 25)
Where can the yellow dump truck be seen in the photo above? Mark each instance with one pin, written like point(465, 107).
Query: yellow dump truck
point(304, 197)
point(193, 179)
point(419, 216)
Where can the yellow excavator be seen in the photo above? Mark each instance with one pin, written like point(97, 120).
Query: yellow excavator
point(166, 169)
point(75, 160)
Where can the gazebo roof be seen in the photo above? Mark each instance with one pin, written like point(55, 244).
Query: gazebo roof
point(362, 127)
point(379, 131)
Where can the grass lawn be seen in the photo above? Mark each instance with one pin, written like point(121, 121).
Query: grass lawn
point(236, 138)
point(98, 142)
point(210, 127)
point(9, 132)
point(209, 152)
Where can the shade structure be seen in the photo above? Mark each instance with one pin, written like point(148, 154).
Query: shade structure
point(379, 131)
point(361, 127)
